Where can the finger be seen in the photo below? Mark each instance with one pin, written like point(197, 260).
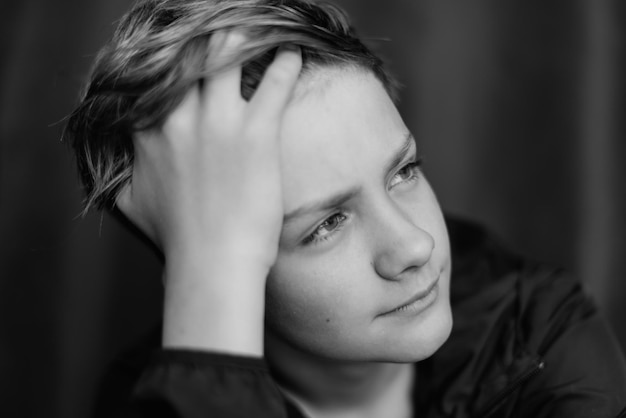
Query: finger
point(277, 86)
point(224, 88)
point(181, 122)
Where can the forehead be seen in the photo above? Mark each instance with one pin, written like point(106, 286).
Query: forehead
point(337, 132)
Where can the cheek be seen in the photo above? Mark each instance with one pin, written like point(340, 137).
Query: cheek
point(312, 301)
point(292, 293)
point(424, 208)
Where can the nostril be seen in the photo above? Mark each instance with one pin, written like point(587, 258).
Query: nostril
point(406, 252)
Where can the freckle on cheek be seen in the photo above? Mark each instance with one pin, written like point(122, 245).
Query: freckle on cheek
point(327, 320)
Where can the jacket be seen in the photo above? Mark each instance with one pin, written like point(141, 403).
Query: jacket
point(526, 343)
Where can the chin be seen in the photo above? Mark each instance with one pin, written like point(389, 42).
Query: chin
point(423, 341)
point(436, 338)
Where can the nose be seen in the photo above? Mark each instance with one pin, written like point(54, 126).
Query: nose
point(401, 246)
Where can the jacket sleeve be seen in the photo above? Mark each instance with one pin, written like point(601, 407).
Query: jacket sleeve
point(194, 384)
point(585, 373)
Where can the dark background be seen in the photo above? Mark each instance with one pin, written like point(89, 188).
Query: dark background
point(518, 106)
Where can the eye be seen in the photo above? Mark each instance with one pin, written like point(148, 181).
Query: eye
point(327, 228)
point(409, 172)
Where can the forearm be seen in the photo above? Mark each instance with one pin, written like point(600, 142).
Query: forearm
point(214, 302)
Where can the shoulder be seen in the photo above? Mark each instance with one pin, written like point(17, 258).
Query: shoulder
point(487, 273)
point(148, 381)
point(524, 333)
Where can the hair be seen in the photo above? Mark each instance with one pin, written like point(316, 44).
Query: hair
point(159, 51)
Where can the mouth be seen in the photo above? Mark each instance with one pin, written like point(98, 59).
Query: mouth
point(418, 303)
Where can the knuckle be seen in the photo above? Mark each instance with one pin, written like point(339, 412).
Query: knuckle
point(288, 63)
point(285, 68)
point(181, 120)
point(279, 73)
point(177, 124)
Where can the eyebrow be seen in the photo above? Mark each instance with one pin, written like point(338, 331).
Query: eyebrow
point(344, 196)
point(330, 202)
point(401, 153)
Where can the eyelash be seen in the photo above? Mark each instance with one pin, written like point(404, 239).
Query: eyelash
point(342, 217)
point(415, 169)
point(315, 236)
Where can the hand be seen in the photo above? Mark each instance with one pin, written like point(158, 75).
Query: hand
point(211, 176)
point(207, 188)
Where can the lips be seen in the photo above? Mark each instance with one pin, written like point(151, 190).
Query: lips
point(418, 302)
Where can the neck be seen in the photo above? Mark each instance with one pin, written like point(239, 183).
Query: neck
point(323, 386)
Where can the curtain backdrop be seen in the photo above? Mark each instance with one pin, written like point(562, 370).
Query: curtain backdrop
point(518, 107)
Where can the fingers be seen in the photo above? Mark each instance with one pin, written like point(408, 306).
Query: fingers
point(223, 89)
point(276, 87)
point(181, 123)
point(217, 108)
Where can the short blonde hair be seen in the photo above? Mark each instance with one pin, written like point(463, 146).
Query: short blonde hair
point(159, 51)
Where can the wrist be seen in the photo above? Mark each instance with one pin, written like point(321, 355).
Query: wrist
point(214, 303)
point(217, 253)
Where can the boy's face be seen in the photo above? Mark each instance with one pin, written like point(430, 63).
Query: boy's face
point(363, 232)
